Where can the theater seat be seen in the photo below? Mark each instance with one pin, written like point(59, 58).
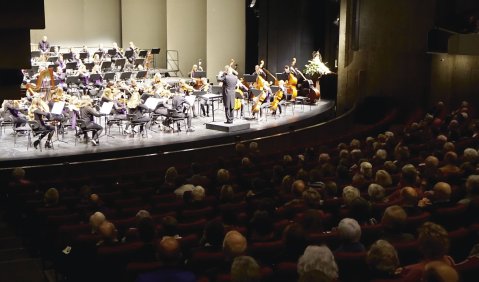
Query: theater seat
point(468, 269)
point(286, 272)
point(266, 252)
point(352, 266)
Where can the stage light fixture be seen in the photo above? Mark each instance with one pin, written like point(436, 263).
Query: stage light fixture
point(252, 4)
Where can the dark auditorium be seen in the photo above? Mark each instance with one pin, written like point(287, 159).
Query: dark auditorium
point(239, 141)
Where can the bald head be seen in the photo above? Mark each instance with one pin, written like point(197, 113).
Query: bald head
point(234, 244)
point(442, 191)
point(297, 188)
point(409, 196)
point(169, 250)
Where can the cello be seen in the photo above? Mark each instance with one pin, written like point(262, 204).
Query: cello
point(313, 93)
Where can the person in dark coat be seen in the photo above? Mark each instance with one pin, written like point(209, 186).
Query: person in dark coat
point(229, 81)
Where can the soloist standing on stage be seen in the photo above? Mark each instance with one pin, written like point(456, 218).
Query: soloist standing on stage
point(229, 81)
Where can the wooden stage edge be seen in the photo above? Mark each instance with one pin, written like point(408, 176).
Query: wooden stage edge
point(157, 143)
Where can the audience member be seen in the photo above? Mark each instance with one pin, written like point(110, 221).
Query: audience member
point(349, 233)
point(245, 269)
point(317, 258)
point(383, 261)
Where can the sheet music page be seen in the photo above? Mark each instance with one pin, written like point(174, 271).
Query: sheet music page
point(151, 103)
point(58, 108)
point(106, 108)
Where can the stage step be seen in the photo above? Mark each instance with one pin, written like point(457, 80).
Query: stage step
point(228, 127)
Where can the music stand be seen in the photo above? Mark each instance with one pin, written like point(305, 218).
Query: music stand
point(99, 53)
point(52, 48)
point(35, 54)
point(95, 77)
point(216, 89)
point(67, 56)
point(71, 66)
point(112, 52)
point(35, 69)
point(120, 63)
point(53, 59)
point(155, 51)
point(141, 74)
point(199, 74)
point(255, 92)
point(139, 61)
point(109, 76)
point(282, 76)
point(250, 77)
point(73, 80)
point(142, 53)
point(125, 75)
point(105, 65)
point(129, 53)
point(274, 89)
point(83, 55)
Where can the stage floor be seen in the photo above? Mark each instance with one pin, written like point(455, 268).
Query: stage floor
point(66, 149)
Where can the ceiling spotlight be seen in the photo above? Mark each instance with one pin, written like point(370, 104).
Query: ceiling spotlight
point(253, 3)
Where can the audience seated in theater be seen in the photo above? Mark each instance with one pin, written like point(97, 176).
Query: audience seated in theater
point(213, 235)
point(108, 234)
point(430, 171)
point(409, 178)
point(439, 197)
point(439, 271)
point(311, 198)
point(363, 177)
point(198, 195)
point(390, 167)
point(383, 178)
point(379, 157)
point(383, 261)
point(469, 163)
point(254, 152)
point(169, 254)
point(171, 181)
point(360, 210)
point(472, 189)
point(326, 168)
point(433, 243)
point(376, 193)
point(51, 198)
point(409, 199)
point(222, 178)
point(393, 221)
point(261, 227)
point(234, 245)
point(227, 194)
point(169, 226)
point(277, 175)
point(245, 269)
point(312, 221)
point(450, 169)
point(197, 179)
point(132, 234)
point(19, 180)
point(297, 189)
point(349, 233)
point(317, 259)
point(295, 241)
point(180, 191)
point(96, 220)
point(349, 194)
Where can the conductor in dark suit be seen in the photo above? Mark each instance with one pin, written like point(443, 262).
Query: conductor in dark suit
point(229, 81)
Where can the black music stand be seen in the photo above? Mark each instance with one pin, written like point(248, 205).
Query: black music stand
point(112, 52)
point(282, 76)
point(128, 53)
point(250, 78)
point(120, 63)
point(199, 74)
point(71, 66)
point(142, 53)
point(35, 54)
point(216, 89)
point(109, 76)
point(139, 61)
point(67, 56)
point(125, 75)
point(141, 74)
point(89, 66)
point(73, 80)
point(274, 89)
point(83, 55)
point(105, 65)
point(53, 59)
point(52, 48)
point(95, 77)
point(155, 51)
point(99, 53)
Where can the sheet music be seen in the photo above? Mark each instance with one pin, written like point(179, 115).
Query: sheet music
point(106, 108)
point(57, 108)
point(151, 103)
point(211, 96)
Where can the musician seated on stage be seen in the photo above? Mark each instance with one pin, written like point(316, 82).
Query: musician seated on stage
point(279, 98)
point(187, 89)
point(133, 55)
point(119, 106)
point(43, 45)
point(182, 107)
point(88, 114)
point(38, 111)
point(240, 103)
point(205, 107)
point(65, 115)
point(137, 109)
point(13, 108)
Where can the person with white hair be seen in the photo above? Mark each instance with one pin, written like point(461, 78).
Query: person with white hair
point(349, 194)
point(376, 193)
point(198, 194)
point(245, 268)
point(96, 220)
point(318, 258)
point(349, 234)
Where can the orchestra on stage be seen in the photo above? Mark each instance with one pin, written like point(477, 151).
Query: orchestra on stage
point(92, 89)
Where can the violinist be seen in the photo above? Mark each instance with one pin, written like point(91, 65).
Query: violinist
point(119, 108)
point(118, 51)
point(186, 89)
point(240, 103)
point(137, 108)
point(43, 45)
point(61, 76)
point(60, 62)
point(13, 107)
point(134, 51)
point(58, 96)
point(182, 107)
point(258, 70)
point(38, 111)
point(203, 101)
point(193, 71)
point(88, 114)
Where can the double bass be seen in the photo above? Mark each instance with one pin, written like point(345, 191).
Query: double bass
point(292, 82)
point(313, 93)
point(278, 96)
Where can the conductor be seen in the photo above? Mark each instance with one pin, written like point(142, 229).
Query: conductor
point(229, 81)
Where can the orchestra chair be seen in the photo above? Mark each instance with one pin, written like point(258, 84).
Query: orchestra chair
point(81, 129)
point(468, 269)
point(133, 124)
point(174, 119)
point(5, 121)
point(35, 130)
point(26, 130)
point(110, 121)
point(286, 271)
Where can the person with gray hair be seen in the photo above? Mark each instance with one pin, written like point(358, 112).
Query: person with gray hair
point(245, 269)
point(349, 235)
point(349, 194)
point(383, 178)
point(376, 193)
point(382, 260)
point(318, 258)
